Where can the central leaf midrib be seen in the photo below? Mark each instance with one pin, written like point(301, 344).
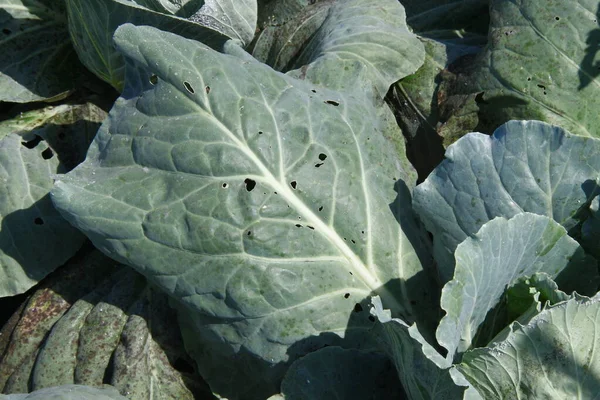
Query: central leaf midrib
point(359, 269)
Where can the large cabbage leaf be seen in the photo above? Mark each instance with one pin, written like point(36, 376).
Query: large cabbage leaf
point(552, 356)
point(525, 166)
point(264, 204)
point(541, 62)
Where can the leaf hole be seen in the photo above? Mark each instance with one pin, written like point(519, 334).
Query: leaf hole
point(153, 79)
point(310, 227)
point(38, 221)
point(347, 295)
point(358, 308)
point(352, 240)
point(557, 18)
point(322, 156)
point(317, 165)
point(350, 272)
point(47, 154)
point(32, 143)
point(293, 184)
point(207, 89)
point(188, 87)
point(313, 90)
point(332, 102)
point(528, 78)
point(249, 233)
point(224, 185)
point(298, 226)
point(321, 208)
point(250, 184)
point(260, 132)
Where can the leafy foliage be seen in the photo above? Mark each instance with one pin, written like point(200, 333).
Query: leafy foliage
point(269, 209)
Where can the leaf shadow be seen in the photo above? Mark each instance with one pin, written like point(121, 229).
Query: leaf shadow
point(589, 69)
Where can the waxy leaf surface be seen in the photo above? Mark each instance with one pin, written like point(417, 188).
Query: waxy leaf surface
point(550, 357)
point(495, 258)
point(269, 207)
point(525, 166)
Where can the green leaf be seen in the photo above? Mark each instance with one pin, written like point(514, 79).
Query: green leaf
point(255, 199)
point(37, 60)
point(423, 372)
point(509, 249)
point(350, 45)
point(233, 18)
point(531, 290)
point(94, 322)
point(336, 373)
point(540, 63)
point(34, 238)
point(93, 22)
point(551, 357)
point(525, 166)
point(69, 392)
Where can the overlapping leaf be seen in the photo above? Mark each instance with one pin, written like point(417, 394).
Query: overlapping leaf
point(525, 166)
point(346, 45)
point(423, 372)
point(495, 258)
point(37, 61)
point(540, 63)
point(550, 357)
point(414, 99)
point(93, 22)
point(97, 322)
point(259, 201)
point(34, 238)
point(69, 392)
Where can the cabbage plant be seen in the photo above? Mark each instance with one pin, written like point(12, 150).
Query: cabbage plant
point(299, 199)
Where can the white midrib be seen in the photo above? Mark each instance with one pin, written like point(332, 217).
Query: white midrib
point(358, 268)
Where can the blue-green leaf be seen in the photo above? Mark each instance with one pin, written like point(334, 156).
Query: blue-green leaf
point(259, 201)
point(526, 166)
